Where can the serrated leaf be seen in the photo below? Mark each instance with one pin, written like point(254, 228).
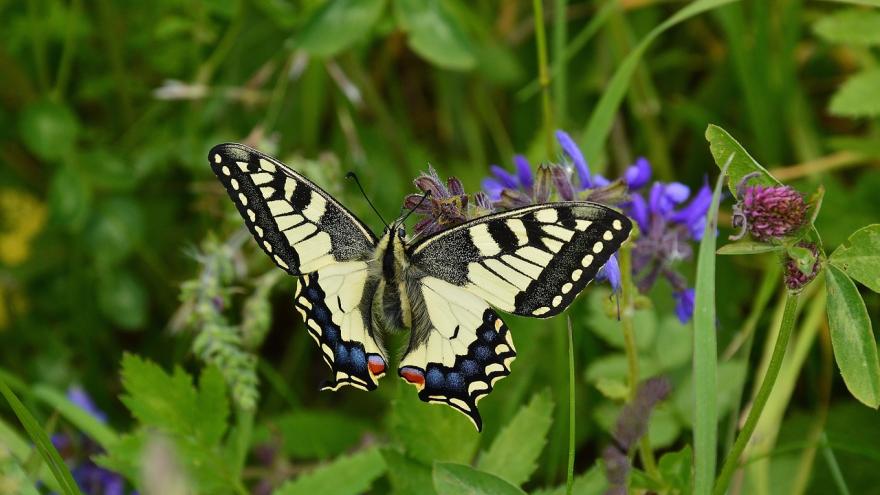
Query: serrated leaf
point(434, 34)
point(124, 455)
point(514, 452)
point(459, 479)
point(747, 247)
point(851, 27)
point(337, 25)
point(350, 475)
point(853, 341)
point(860, 258)
point(407, 476)
point(858, 96)
point(213, 403)
point(429, 432)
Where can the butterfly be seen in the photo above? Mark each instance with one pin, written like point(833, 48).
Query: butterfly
point(355, 288)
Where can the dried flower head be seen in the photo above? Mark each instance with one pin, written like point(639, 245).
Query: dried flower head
point(447, 206)
point(768, 212)
point(796, 278)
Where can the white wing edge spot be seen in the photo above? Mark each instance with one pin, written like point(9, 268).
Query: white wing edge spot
point(576, 275)
point(226, 170)
point(557, 301)
point(217, 158)
point(597, 248)
point(617, 225)
point(540, 311)
point(608, 235)
point(587, 261)
point(234, 184)
point(242, 198)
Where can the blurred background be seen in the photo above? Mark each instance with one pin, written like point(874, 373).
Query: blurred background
point(115, 237)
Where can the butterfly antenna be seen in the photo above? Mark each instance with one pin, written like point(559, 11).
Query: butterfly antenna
point(416, 207)
point(357, 181)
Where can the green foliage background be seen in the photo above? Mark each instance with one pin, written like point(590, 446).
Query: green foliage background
point(115, 237)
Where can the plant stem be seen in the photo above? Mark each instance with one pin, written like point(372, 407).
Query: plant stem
point(569, 478)
point(627, 314)
point(732, 459)
point(560, 78)
point(543, 74)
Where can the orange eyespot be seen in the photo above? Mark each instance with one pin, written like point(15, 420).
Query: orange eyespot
point(376, 365)
point(413, 375)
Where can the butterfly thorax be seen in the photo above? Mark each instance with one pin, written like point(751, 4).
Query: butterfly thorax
point(391, 305)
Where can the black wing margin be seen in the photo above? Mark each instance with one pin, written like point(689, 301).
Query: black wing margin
point(296, 223)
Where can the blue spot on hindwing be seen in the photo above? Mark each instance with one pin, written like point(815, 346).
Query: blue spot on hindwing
point(341, 355)
point(469, 367)
point(434, 378)
point(321, 315)
point(455, 381)
point(358, 359)
point(482, 353)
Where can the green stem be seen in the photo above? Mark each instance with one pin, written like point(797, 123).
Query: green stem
point(732, 459)
point(569, 479)
point(67, 52)
point(560, 78)
point(627, 314)
point(543, 74)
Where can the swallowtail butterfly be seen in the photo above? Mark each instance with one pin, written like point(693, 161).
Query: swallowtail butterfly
point(354, 287)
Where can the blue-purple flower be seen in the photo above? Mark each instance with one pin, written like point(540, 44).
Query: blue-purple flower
point(77, 451)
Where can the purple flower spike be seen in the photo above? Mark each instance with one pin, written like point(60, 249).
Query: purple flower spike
point(638, 210)
point(80, 397)
point(504, 177)
point(575, 155)
point(638, 174)
point(610, 272)
point(599, 181)
point(524, 172)
point(684, 304)
point(694, 214)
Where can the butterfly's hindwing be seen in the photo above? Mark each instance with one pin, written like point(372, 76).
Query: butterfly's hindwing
point(331, 302)
point(459, 348)
point(532, 261)
point(295, 222)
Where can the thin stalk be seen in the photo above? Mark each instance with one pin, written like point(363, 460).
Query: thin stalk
point(627, 313)
point(543, 74)
point(569, 478)
point(560, 68)
point(834, 467)
point(732, 459)
point(38, 43)
point(67, 52)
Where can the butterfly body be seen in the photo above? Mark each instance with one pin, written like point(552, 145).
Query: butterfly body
point(355, 288)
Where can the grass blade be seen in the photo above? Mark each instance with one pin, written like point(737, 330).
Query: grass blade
point(706, 352)
point(603, 115)
point(41, 440)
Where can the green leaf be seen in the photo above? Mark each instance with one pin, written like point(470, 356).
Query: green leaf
point(855, 348)
point(858, 96)
point(48, 129)
point(514, 452)
point(803, 258)
point(608, 327)
point(747, 247)
point(851, 27)
point(593, 482)
point(459, 479)
point(337, 25)
point(860, 259)
point(77, 416)
point(722, 145)
point(703, 402)
point(316, 434)
point(407, 476)
point(350, 475)
point(44, 446)
point(122, 298)
point(434, 34)
point(676, 468)
point(613, 92)
point(124, 456)
point(450, 437)
point(171, 402)
point(70, 198)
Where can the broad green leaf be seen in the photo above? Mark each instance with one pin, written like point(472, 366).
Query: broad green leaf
point(858, 96)
point(432, 432)
point(310, 434)
point(514, 452)
point(77, 416)
point(337, 25)
point(860, 258)
point(459, 479)
point(673, 346)
point(747, 247)
point(70, 198)
point(593, 482)
point(434, 34)
point(722, 145)
point(213, 404)
point(605, 110)
point(676, 468)
point(851, 27)
point(855, 347)
point(407, 476)
point(350, 475)
point(124, 456)
point(44, 446)
point(612, 388)
point(49, 129)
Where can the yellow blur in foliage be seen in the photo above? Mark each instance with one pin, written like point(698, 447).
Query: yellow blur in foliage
point(22, 217)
